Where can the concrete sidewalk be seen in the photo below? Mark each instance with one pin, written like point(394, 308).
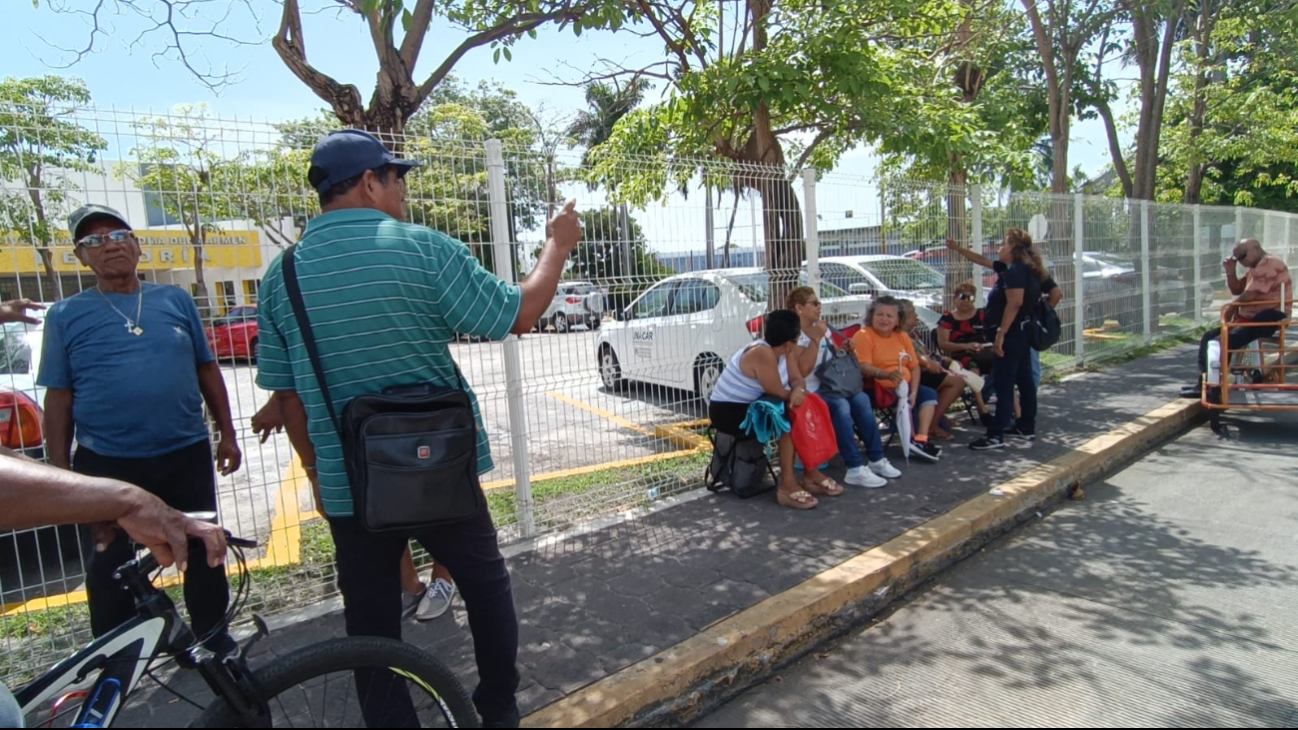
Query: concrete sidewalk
point(1164, 600)
point(592, 605)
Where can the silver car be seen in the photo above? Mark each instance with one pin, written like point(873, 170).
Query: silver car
point(575, 303)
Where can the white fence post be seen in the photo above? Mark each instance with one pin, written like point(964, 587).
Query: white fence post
point(503, 259)
point(1197, 295)
point(811, 228)
point(976, 235)
point(1079, 281)
point(1145, 278)
point(1239, 227)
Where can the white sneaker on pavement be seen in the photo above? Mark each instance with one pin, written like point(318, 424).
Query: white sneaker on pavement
point(436, 601)
point(885, 469)
point(862, 477)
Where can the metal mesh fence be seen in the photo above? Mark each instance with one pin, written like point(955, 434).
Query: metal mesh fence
point(599, 412)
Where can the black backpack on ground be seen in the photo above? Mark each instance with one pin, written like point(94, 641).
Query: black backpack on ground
point(739, 464)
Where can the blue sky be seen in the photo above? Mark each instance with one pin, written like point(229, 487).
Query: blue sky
point(130, 78)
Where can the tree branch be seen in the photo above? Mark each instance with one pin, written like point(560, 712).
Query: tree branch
point(619, 73)
point(661, 28)
point(171, 23)
point(821, 138)
point(516, 25)
point(290, 44)
point(422, 18)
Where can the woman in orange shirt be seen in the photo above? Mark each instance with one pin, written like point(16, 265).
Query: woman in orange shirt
point(888, 356)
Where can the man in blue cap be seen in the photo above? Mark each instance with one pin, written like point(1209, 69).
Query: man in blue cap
point(126, 364)
point(385, 298)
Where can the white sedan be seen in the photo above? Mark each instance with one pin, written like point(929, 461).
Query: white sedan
point(683, 331)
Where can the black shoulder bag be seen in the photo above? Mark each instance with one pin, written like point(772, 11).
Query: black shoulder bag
point(411, 451)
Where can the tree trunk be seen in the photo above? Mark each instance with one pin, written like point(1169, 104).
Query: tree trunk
point(1154, 57)
point(730, 230)
point(53, 282)
point(957, 227)
point(785, 244)
point(204, 298)
point(1202, 31)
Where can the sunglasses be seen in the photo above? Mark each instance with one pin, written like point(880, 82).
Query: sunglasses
point(813, 303)
point(95, 240)
point(965, 297)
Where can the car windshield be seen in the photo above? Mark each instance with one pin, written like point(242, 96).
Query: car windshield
point(905, 274)
point(582, 289)
point(15, 350)
point(757, 285)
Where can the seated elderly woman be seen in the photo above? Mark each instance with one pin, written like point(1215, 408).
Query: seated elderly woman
point(764, 371)
point(933, 371)
point(851, 416)
point(888, 358)
point(962, 334)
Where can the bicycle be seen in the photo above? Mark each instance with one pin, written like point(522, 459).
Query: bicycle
point(386, 674)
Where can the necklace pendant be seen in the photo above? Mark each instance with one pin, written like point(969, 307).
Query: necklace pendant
point(137, 331)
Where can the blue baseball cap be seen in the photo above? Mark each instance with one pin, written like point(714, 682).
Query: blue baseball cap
point(344, 154)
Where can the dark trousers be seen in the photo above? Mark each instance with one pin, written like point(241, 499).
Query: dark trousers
point(1240, 337)
point(1014, 369)
point(185, 480)
point(369, 576)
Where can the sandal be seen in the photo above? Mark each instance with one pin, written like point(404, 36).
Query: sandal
point(942, 434)
point(797, 500)
point(826, 488)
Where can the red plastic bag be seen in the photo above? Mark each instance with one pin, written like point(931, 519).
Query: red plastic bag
point(813, 431)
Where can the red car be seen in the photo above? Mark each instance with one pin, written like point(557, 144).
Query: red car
point(234, 336)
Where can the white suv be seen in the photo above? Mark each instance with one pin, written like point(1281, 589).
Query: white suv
point(683, 331)
point(575, 302)
point(877, 275)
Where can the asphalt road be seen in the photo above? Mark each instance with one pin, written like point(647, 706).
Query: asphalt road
point(1165, 600)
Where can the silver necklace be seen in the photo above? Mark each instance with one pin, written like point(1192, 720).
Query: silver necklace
point(131, 326)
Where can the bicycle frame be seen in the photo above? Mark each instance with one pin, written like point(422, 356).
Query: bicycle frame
point(122, 657)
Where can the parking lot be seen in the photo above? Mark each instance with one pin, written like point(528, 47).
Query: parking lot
point(573, 425)
point(572, 422)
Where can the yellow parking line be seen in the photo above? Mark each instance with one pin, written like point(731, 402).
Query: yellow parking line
point(583, 470)
point(624, 423)
point(284, 546)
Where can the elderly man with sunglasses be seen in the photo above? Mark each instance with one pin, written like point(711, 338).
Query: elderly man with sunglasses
point(127, 368)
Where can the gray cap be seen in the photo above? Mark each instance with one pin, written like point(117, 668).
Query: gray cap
point(88, 213)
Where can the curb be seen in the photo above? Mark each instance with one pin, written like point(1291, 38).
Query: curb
point(678, 684)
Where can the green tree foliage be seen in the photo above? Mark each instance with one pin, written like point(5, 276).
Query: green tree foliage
point(765, 88)
point(181, 159)
point(41, 149)
point(1233, 113)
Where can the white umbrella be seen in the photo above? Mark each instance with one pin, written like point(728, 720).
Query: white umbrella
point(902, 416)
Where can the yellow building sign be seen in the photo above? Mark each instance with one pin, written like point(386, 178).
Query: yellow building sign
point(159, 251)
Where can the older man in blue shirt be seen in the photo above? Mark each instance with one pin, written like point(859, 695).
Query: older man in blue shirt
point(126, 365)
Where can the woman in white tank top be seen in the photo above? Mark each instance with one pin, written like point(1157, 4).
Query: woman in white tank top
point(763, 371)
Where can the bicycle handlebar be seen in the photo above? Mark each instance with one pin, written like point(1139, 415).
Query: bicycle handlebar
point(141, 568)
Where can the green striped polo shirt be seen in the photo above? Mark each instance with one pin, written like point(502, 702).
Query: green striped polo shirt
point(385, 299)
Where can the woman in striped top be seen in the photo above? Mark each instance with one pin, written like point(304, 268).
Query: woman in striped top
point(764, 371)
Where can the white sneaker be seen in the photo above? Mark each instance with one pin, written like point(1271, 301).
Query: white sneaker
point(884, 469)
point(436, 601)
point(862, 477)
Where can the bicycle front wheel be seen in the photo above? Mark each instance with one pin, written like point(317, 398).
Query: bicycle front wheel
point(359, 681)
